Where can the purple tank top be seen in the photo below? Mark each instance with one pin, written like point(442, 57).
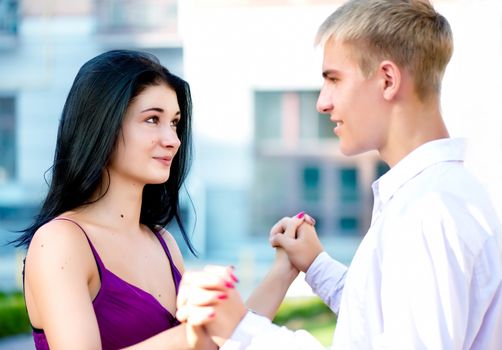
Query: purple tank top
point(126, 314)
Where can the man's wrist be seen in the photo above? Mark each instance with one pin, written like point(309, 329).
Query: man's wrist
point(313, 258)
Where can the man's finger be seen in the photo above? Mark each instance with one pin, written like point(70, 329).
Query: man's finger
point(280, 226)
point(309, 219)
point(281, 240)
point(292, 226)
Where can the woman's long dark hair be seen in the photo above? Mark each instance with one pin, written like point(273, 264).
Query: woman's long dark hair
point(88, 131)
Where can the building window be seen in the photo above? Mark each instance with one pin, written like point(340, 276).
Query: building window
point(290, 118)
point(381, 169)
point(294, 169)
point(313, 125)
point(136, 16)
point(7, 139)
point(9, 17)
point(348, 224)
point(311, 184)
point(349, 188)
point(267, 104)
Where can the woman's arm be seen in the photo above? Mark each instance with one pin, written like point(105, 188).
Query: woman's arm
point(268, 296)
point(58, 270)
point(59, 267)
point(175, 339)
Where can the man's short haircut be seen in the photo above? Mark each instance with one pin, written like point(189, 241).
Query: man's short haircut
point(408, 32)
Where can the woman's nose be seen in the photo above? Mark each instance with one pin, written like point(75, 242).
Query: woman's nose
point(170, 138)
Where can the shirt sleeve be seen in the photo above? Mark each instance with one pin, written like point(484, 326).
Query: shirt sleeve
point(326, 277)
point(256, 332)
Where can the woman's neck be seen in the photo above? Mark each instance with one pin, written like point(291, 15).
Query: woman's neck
point(118, 204)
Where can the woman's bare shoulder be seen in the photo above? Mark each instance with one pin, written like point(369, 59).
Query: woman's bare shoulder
point(56, 244)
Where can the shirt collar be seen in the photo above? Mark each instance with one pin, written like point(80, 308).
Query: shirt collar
point(418, 160)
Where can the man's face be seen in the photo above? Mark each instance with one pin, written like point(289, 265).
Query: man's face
point(353, 101)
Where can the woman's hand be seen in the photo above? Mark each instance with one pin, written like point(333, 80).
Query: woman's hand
point(198, 338)
point(208, 298)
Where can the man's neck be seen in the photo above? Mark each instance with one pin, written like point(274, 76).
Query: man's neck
point(412, 125)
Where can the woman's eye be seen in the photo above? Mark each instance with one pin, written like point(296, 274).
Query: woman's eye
point(175, 122)
point(153, 120)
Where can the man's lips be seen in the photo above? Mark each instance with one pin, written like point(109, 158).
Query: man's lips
point(338, 123)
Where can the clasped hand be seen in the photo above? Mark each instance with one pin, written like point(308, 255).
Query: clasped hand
point(208, 301)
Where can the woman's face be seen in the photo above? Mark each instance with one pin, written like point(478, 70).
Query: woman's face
point(148, 142)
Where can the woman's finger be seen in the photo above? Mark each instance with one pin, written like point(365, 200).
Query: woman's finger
point(205, 279)
point(196, 315)
point(225, 272)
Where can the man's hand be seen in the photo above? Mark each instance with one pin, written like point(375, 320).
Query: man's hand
point(298, 239)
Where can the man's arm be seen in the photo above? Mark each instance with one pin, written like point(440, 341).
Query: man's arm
point(227, 321)
point(326, 277)
point(256, 332)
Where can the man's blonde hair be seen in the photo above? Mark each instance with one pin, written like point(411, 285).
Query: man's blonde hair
point(408, 32)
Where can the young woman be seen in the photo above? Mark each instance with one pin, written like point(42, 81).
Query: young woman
point(100, 271)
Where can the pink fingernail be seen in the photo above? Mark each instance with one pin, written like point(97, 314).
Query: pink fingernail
point(229, 285)
point(234, 277)
point(300, 215)
point(222, 296)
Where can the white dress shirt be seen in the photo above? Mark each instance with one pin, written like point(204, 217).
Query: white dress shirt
point(427, 275)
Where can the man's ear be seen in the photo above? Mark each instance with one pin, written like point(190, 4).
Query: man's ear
point(390, 75)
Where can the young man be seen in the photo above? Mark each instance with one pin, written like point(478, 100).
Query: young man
point(428, 273)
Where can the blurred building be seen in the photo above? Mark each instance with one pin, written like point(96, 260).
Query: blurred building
point(264, 152)
point(261, 149)
point(43, 43)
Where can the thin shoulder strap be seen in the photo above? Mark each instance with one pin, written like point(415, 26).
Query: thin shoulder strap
point(174, 270)
point(101, 266)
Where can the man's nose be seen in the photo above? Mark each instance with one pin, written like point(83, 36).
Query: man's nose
point(324, 102)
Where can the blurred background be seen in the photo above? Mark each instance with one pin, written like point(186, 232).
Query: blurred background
point(261, 149)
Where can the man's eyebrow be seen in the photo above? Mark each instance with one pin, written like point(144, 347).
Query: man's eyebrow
point(327, 72)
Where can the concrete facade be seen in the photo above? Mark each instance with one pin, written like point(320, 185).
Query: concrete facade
point(227, 51)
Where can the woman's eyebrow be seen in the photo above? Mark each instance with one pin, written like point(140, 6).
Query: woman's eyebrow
point(156, 109)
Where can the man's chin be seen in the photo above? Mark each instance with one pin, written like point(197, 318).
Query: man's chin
point(352, 151)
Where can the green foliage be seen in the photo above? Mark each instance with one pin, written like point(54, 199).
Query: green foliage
point(310, 314)
point(13, 316)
